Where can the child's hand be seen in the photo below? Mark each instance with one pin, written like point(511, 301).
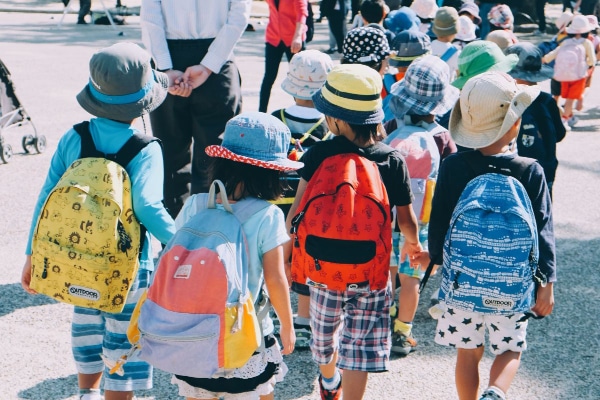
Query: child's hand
point(412, 250)
point(544, 302)
point(421, 260)
point(288, 339)
point(26, 276)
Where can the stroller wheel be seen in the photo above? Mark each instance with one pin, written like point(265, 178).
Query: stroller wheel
point(40, 143)
point(6, 152)
point(27, 143)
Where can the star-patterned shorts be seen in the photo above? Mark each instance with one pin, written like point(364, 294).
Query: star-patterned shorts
point(466, 330)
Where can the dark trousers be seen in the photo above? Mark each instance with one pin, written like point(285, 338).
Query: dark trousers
point(541, 15)
point(273, 55)
point(187, 125)
point(84, 9)
point(337, 19)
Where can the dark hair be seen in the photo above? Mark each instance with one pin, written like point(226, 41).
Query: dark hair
point(583, 35)
point(258, 182)
point(370, 131)
point(372, 10)
point(371, 64)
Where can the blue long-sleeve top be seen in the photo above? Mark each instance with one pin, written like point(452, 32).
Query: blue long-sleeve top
point(145, 172)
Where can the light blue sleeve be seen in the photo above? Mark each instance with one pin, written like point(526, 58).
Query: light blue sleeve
point(272, 232)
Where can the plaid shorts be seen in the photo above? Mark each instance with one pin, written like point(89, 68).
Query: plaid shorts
point(94, 332)
point(356, 323)
point(466, 330)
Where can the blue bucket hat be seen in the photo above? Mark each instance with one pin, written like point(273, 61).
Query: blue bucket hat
point(258, 139)
point(424, 90)
point(407, 46)
point(402, 19)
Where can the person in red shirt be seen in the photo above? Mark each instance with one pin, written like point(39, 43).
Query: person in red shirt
point(286, 33)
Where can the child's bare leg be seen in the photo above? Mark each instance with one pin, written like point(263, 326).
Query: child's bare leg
point(408, 298)
point(504, 369)
point(304, 306)
point(467, 372)
point(393, 273)
point(354, 384)
point(328, 370)
point(269, 396)
point(579, 104)
point(568, 113)
point(91, 383)
point(112, 395)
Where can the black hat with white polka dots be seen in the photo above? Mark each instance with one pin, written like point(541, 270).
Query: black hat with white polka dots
point(365, 45)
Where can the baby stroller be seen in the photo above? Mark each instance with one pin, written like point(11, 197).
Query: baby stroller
point(12, 115)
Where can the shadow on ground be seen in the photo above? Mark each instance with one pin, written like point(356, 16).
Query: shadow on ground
point(14, 297)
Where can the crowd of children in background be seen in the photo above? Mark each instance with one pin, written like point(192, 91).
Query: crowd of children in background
point(414, 72)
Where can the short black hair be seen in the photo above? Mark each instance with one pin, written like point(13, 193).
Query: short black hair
point(259, 182)
point(372, 10)
point(369, 131)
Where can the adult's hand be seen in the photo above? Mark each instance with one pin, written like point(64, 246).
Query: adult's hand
point(196, 75)
point(177, 85)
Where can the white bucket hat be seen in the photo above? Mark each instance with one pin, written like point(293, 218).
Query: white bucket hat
point(579, 25)
point(466, 29)
point(307, 73)
point(489, 104)
point(563, 20)
point(425, 9)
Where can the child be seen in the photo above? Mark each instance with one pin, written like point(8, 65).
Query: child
point(541, 128)
point(425, 10)
point(424, 93)
point(372, 13)
point(402, 19)
point(368, 46)
point(250, 163)
point(445, 27)
point(308, 72)
point(572, 77)
point(119, 71)
point(487, 118)
point(471, 10)
point(351, 101)
point(479, 57)
point(502, 19)
point(466, 32)
point(502, 38)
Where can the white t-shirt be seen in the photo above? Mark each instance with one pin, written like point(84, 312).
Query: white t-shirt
point(439, 48)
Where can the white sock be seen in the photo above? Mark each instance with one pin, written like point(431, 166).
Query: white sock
point(332, 383)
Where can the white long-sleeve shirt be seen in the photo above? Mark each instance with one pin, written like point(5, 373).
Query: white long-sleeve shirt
point(223, 20)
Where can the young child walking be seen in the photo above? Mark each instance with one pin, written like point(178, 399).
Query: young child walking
point(308, 71)
point(487, 118)
point(341, 340)
point(122, 88)
point(250, 163)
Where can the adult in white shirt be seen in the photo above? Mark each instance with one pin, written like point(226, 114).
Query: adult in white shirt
point(192, 41)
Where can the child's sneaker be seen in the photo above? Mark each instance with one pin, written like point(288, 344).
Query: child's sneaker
point(572, 121)
point(303, 336)
point(402, 344)
point(493, 393)
point(334, 394)
point(565, 122)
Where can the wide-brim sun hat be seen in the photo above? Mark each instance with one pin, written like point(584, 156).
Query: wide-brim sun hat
point(425, 9)
point(563, 20)
point(529, 67)
point(488, 106)
point(257, 139)
point(501, 16)
point(402, 19)
point(351, 93)
point(425, 89)
point(122, 85)
point(472, 9)
point(307, 72)
point(408, 46)
point(593, 20)
point(445, 22)
point(579, 25)
point(501, 37)
point(466, 29)
point(479, 57)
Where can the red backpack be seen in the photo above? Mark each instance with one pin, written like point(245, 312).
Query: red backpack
point(342, 230)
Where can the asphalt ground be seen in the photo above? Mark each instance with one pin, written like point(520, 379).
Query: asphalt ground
point(49, 66)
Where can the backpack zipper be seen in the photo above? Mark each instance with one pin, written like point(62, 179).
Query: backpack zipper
point(177, 339)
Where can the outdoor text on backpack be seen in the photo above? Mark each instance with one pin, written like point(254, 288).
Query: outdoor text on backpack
point(198, 316)
point(342, 231)
point(491, 248)
point(86, 245)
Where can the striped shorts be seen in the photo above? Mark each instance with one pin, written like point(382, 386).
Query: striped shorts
point(94, 332)
point(356, 323)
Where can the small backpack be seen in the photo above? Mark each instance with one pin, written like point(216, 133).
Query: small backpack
point(570, 63)
point(342, 231)
point(198, 316)
point(491, 247)
point(418, 147)
point(86, 244)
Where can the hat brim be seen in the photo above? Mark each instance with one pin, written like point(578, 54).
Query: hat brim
point(403, 103)
point(301, 92)
point(543, 74)
point(278, 165)
point(507, 64)
point(578, 31)
point(444, 31)
point(130, 111)
point(350, 116)
point(477, 20)
point(405, 63)
point(475, 139)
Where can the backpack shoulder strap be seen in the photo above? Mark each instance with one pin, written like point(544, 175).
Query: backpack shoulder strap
point(516, 169)
point(448, 53)
point(132, 147)
point(88, 148)
point(246, 208)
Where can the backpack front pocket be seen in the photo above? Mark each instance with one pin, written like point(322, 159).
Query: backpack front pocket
point(340, 251)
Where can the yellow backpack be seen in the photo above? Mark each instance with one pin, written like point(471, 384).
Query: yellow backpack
point(86, 245)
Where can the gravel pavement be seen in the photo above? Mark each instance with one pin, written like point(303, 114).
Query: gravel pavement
point(49, 66)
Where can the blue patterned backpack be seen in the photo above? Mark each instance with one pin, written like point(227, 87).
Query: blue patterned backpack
point(491, 248)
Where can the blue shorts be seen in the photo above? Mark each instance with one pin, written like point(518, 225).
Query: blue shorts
point(404, 265)
point(95, 333)
point(356, 323)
